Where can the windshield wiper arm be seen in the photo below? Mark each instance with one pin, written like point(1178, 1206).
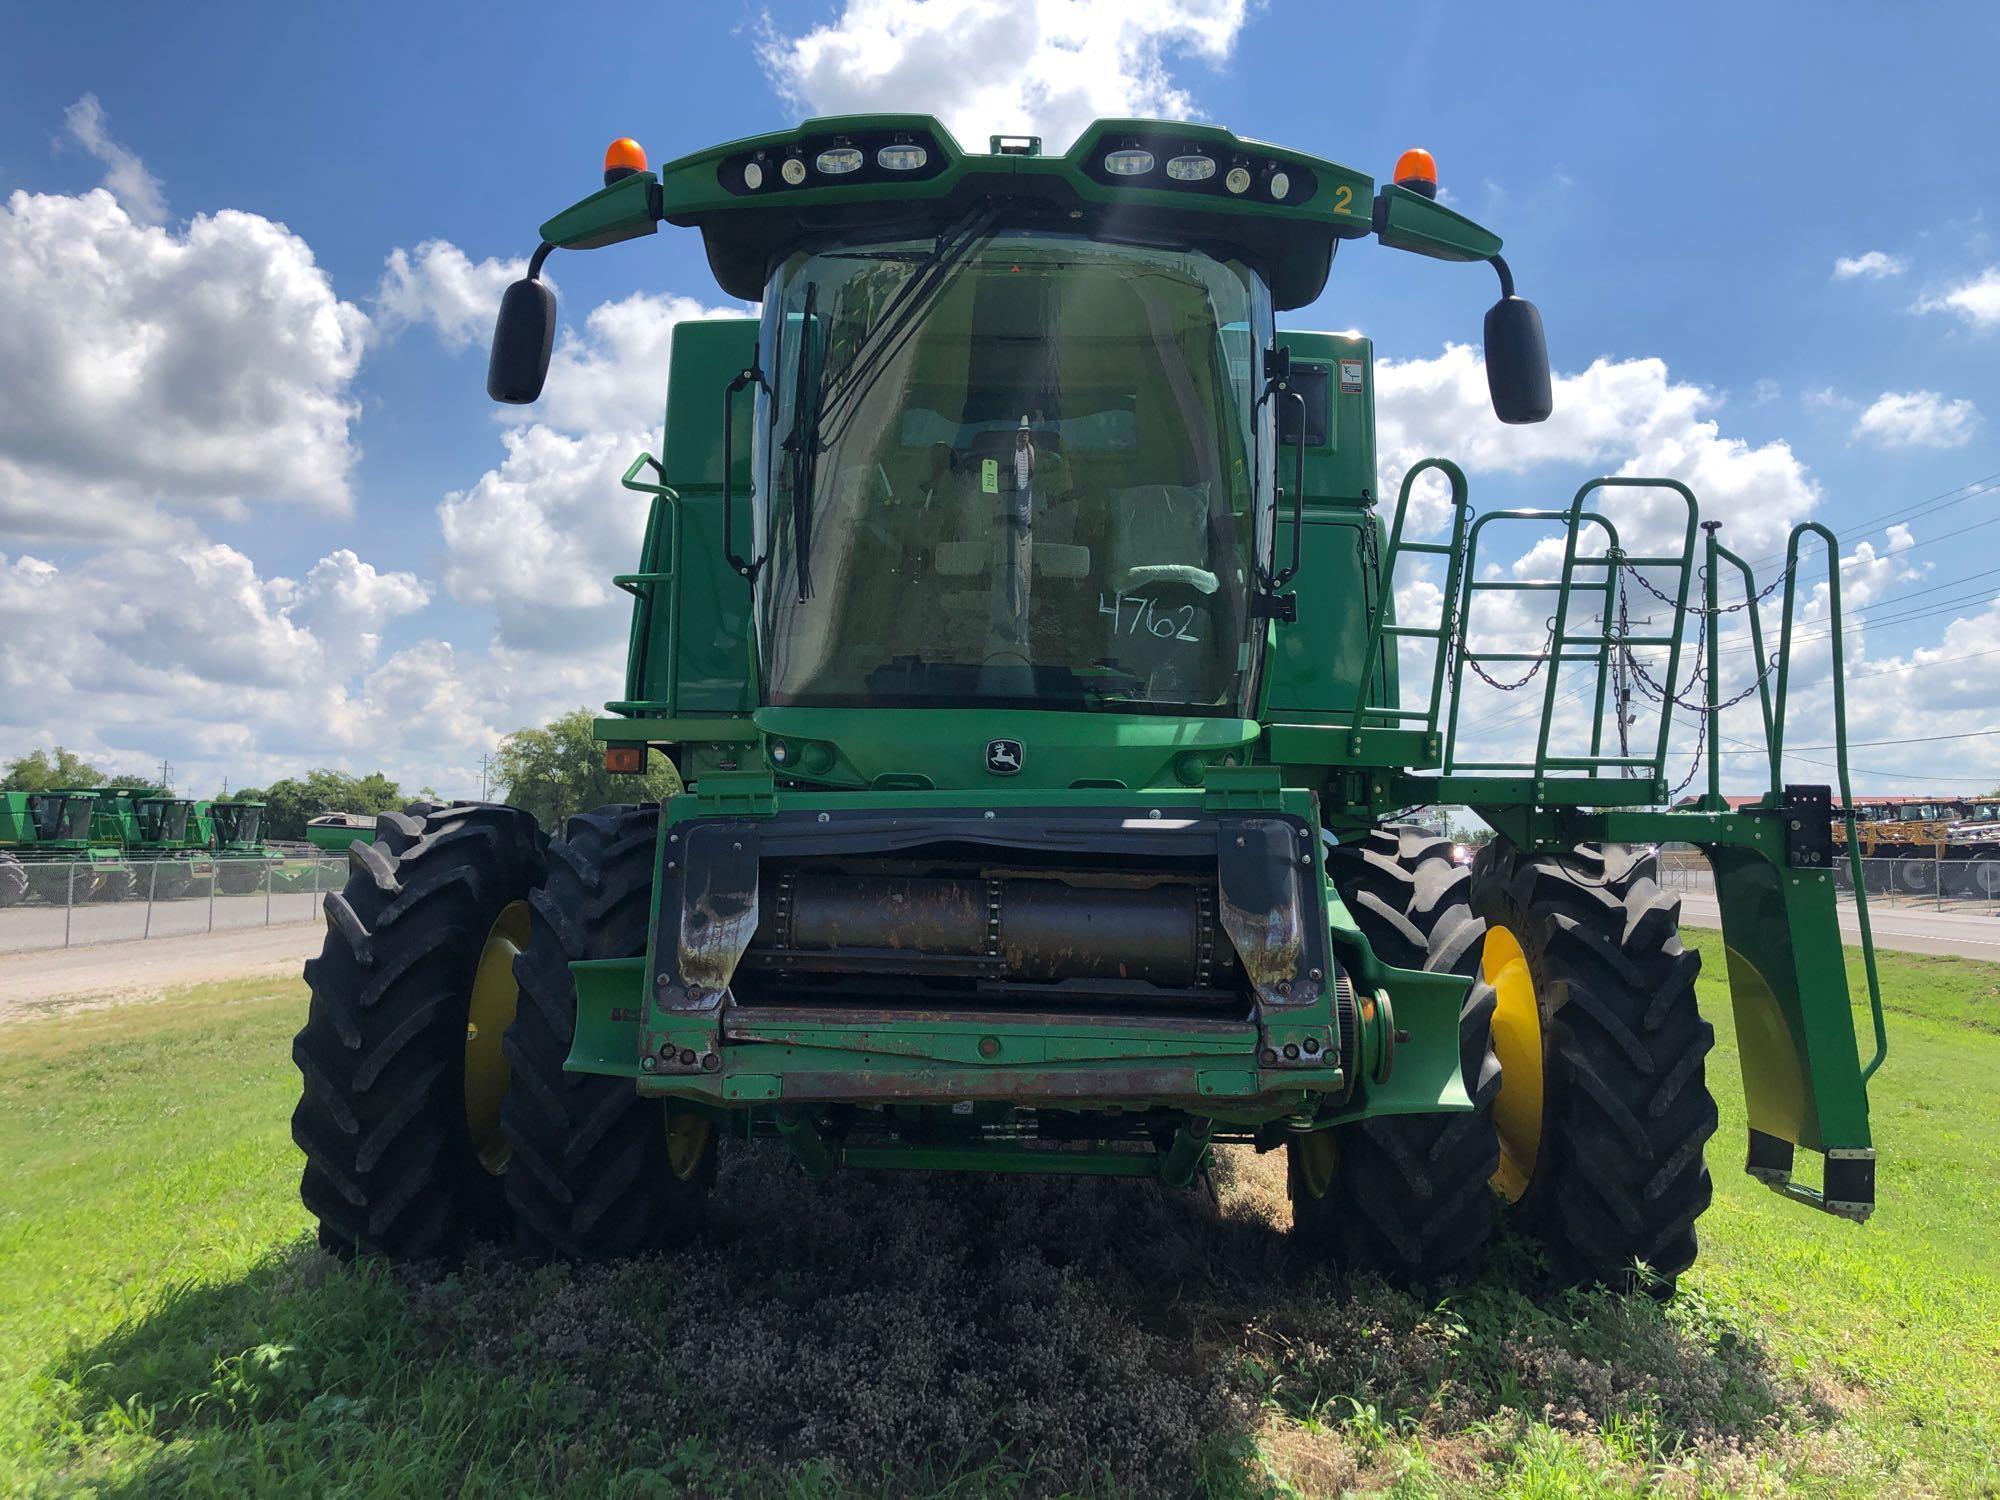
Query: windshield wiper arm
point(915, 294)
point(803, 442)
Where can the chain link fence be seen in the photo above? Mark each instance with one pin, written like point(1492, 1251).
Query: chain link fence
point(1926, 881)
point(61, 903)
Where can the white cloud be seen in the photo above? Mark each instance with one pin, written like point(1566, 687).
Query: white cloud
point(124, 174)
point(1977, 300)
point(145, 372)
point(187, 651)
point(1048, 67)
point(1624, 417)
point(538, 537)
point(439, 285)
point(1874, 266)
point(1918, 419)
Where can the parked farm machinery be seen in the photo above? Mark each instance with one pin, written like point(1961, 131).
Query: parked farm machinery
point(1017, 607)
point(46, 850)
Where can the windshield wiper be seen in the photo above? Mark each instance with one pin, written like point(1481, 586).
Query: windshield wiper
point(916, 293)
point(803, 442)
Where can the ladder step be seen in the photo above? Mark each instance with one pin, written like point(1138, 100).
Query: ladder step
point(1433, 549)
point(1422, 632)
point(1596, 762)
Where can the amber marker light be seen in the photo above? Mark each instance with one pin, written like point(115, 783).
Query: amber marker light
point(622, 158)
point(625, 760)
point(1417, 170)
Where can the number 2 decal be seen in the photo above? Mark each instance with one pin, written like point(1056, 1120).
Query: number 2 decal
point(1343, 197)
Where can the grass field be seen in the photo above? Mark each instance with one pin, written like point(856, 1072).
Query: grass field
point(167, 1326)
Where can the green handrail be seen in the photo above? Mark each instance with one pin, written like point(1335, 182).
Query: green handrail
point(1686, 563)
point(1717, 554)
point(1474, 584)
point(633, 583)
point(1832, 550)
point(1461, 512)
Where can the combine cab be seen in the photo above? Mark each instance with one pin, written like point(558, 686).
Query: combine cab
point(236, 836)
point(1017, 607)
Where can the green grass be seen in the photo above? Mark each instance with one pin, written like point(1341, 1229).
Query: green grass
point(166, 1325)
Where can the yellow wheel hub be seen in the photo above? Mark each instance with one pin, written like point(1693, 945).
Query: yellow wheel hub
point(1317, 1156)
point(494, 996)
point(1517, 1042)
point(687, 1140)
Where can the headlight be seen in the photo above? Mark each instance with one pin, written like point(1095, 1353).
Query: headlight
point(901, 158)
point(1129, 163)
point(837, 160)
point(1191, 168)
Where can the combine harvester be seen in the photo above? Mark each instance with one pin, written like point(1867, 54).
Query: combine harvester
point(235, 835)
point(1015, 606)
point(156, 839)
point(46, 851)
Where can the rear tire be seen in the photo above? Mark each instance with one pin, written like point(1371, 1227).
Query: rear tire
point(394, 1162)
point(1408, 1196)
point(1618, 1176)
point(13, 882)
point(239, 877)
point(595, 1173)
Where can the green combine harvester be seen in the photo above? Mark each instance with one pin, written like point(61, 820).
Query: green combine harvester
point(235, 836)
point(46, 850)
point(156, 839)
point(1017, 607)
point(334, 831)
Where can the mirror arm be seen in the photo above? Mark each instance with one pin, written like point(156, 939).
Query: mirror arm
point(535, 261)
point(1506, 276)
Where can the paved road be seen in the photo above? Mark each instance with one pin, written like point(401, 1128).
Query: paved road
point(35, 926)
point(64, 979)
point(1966, 934)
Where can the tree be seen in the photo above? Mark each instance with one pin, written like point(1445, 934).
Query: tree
point(289, 801)
point(558, 770)
point(39, 770)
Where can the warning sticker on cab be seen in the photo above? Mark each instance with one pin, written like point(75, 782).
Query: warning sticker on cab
point(1350, 376)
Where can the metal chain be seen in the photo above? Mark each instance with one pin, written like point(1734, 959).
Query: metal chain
point(1508, 687)
point(1696, 610)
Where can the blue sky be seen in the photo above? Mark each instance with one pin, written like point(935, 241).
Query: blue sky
point(1677, 187)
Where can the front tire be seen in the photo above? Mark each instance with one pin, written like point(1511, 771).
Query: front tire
point(400, 1055)
point(1408, 1196)
point(600, 1172)
point(1604, 1120)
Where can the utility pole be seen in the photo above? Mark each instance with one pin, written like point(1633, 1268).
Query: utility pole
point(485, 777)
point(166, 774)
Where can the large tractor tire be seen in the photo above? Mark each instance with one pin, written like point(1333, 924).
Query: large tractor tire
point(399, 1118)
point(1603, 1111)
point(598, 1171)
point(108, 882)
point(242, 877)
point(13, 882)
point(1408, 1196)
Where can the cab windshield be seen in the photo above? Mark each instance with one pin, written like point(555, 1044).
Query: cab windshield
point(163, 821)
point(236, 822)
point(1011, 467)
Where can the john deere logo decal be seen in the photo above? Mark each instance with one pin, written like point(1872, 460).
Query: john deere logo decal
point(1003, 757)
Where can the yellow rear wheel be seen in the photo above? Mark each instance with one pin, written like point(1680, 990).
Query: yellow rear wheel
point(494, 997)
point(1518, 1043)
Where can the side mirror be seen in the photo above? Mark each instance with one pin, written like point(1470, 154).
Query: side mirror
point(1517, 362)
point(522, 338)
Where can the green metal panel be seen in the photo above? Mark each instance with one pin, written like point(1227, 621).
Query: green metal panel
point(945, 749)
point(689, 651)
